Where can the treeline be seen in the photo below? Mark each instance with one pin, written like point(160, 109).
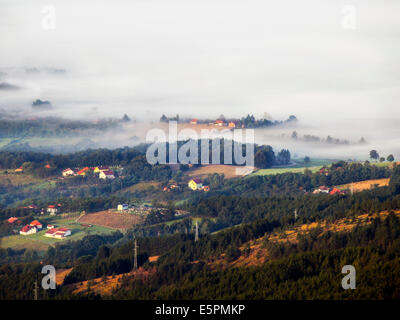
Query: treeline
point(297, 183)
point(51, 127)
point(248, 122)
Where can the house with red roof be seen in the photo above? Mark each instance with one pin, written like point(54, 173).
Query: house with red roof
point(193, 121)
point(219, 123)
point(58, 233)
point(68, 172)
point(107, 174)
point(36, 224)
point(83, 171)
point(52, 210)
point(12, 219)
point(336, 191)
point(28, 230)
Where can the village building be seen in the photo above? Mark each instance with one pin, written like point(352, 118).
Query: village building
point(27, 230)
point(108, 174)
point(195, 184)
point(323, 189)
point(193, 121)
point(122, 207)
point(219, 123)
point(336, 191)
point(83, 171)
point(12, 219)
point(232, 125)
point(100, 169)
point(50, 226)
point(68, 172)
point(36, 224)
point(20, 169)
point(206, 188)
point(58, 233)
point(52, 210)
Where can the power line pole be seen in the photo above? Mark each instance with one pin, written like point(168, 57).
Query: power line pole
point(196, 235)
point(295, 214)
point(35, 290)
point(135, 256)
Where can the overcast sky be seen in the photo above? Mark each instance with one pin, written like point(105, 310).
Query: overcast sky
point(148, 57)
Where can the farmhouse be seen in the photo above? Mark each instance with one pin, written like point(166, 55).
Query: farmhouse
point(58, 233)
point(52, 210)
point(108, 174)
point(83, 171)
point(323, 189)
point(68, 172)
point(36, 224)
point(100, 169)
point(195, 184)
point(12, 219)
point(336, 191)
point(28, 230)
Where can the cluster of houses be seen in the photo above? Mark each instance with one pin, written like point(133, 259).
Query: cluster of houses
point(196, 184)
point(327, 190)
point(52, 232)
point(104, 172)
point(220, 123)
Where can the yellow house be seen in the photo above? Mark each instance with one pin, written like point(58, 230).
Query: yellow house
point(100, 169)
point(195, 184)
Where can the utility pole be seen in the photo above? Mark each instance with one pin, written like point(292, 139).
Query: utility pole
point(295, 215)
point(196, 235)
point(135, 256)
point(35, 290)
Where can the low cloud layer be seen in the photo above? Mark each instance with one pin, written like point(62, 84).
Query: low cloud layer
point(146, 58)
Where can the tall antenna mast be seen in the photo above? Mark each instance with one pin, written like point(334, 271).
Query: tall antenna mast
point(196, 236)
point(135, 256)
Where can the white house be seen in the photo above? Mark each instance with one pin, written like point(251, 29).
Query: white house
point(52, 210)
point(58, 233)
point(27, 230)
point(36, 224)
point(68, 172)
point(107, 174)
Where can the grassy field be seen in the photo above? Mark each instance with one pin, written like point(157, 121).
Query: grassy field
point(298, 166)
point(38, 241)
point(17, 179)
point(365, 185)
point(228, 171)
